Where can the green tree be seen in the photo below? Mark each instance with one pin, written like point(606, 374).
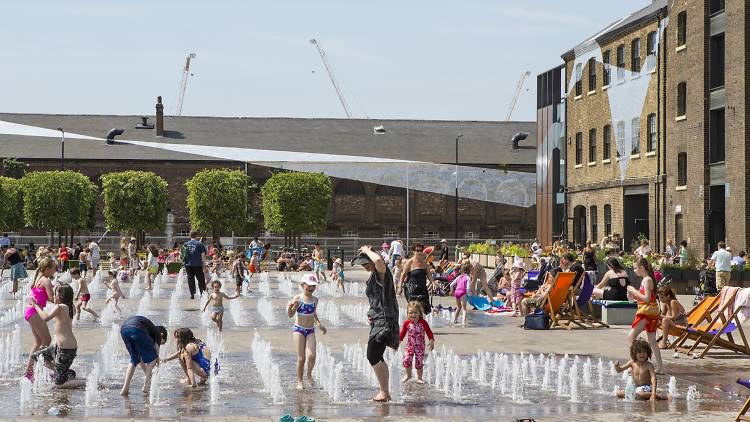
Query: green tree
point(11, 204)
point(57, 200)
point(134, 201)
point(296, 203)
point(219, 201)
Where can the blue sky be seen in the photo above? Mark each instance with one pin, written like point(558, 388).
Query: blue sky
point(454, 60)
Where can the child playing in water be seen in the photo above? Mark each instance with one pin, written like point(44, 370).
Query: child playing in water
point(217, 265)
point(59, 357)
point(40, 291)
point(397, 268)
point(416, 327)
point(643, 372)
point(337, 273)
point(303, 306)
point(239, 271)
point(216, 299)
point(83, 260)
point(82, 296)
point(254, 265)
point(114, 285)
point(673, 313)
point(152, 265)
point(459, 286)
point(194, 355)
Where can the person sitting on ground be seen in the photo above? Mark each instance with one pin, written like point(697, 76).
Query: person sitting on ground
point(642, 371)
point(617, 281)
point(673, 313)
point(503, 286)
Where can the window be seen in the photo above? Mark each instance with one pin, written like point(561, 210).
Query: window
point(651, 51)
point(594, 224)
point(681, 99)
point(431, 235)
point(681, 28)
point(579, 82)
point(592, 145)
point(635, 51)
point(183, 233)
point(470, 235)
point(579, 148)
point(607, 138)
point(349, 234)
point(592, 74)
point(621, 62)
point(651, 142)
point(635, 128)
point(620, 136)
point(716, 136)
point(390, 234)
point(682, 169)
point(717, 6)
point(607, 220)
point(605, 60)
point(716, 64)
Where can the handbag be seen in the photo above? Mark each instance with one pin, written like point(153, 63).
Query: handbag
point(536, 321)
point(650, 309)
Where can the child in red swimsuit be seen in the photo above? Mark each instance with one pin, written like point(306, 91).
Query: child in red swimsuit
point(647, 316)
point(416, 327)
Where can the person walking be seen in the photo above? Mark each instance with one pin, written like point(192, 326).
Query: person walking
point(721, 260)
point(93, 255)
point(195, 260)
point(383, 316)
point(414, 277)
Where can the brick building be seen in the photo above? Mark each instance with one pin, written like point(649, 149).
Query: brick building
point(648, 140)
point(352, 211)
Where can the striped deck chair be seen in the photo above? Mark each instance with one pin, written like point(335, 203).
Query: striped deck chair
point(583, 301)
point(722, 324)
point(557, 302)
point(741, 416)
point(699, 314)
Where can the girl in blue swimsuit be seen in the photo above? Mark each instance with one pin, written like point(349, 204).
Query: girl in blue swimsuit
point(303, 308)
point(194, 355)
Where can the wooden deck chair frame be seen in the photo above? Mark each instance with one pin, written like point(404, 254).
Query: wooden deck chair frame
point(698, 314)
point(720, 322)
point(741, 415)
point(580, 317)
point(559, 310)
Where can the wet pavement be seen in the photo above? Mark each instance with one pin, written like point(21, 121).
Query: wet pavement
point(484, 393)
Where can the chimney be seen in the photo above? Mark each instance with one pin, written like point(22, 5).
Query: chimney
point(159, 127)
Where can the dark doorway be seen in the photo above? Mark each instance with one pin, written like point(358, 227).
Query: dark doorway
point(635, 218)
point(716, 226)
point(579, 225)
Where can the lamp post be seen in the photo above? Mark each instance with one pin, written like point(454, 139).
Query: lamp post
point(455, 213)
point(62, 148)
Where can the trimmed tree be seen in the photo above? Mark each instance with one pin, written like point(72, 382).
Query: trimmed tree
point(134, 201)
point(219, 201)
point(57, 200)
point(11, 204)
point(296, 203)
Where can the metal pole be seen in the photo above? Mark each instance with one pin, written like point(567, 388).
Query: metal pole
point(407, 205)
point(62, 148)
point(455, 210)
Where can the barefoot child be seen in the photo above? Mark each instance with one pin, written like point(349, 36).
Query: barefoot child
point(674, 313)
point(114, 285)
point(40, 292)
point(83, 296)
point(194, 355)
point(459, 286)
point(416, 327)
point(59, 357)
point(647, 314)
point(514, 294)
point(644, 375)
point(254, 266)
point(152, 265)
point(239, 271)
point(304, 306)
point(337, 273)
point(216, 299)
point(83, 259)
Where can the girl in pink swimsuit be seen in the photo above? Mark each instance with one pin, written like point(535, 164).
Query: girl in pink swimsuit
point(459, 287)
point(41, 291)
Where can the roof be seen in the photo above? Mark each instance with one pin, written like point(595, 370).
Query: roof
point(620, 27)
point(420, 140)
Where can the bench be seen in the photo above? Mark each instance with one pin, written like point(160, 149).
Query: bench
point(613, 312)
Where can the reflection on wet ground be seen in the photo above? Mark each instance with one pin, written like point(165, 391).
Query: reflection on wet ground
point(490, 387)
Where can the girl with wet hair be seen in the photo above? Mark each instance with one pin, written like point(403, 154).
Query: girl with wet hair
point(194, 356)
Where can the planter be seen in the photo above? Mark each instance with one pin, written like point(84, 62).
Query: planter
point(735, 278)
point(491, 261)
point(745, 277)
point(475, 257)
point(691, 275)
point(674, 274)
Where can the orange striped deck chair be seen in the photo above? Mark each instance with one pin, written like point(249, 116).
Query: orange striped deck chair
point(722, 324)
point(699, 314)
point(557, 302)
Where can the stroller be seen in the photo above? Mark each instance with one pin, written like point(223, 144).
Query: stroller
point(707, 286)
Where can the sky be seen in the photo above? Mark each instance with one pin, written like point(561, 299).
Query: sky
point(417, 59)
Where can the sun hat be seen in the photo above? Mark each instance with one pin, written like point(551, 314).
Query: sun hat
point(310, 280)
point(362, 259)
point(338, 261)
point(443, 241)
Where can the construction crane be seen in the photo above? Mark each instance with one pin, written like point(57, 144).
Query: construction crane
point(519, 87)
point(335, 83)
point(183, 84)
